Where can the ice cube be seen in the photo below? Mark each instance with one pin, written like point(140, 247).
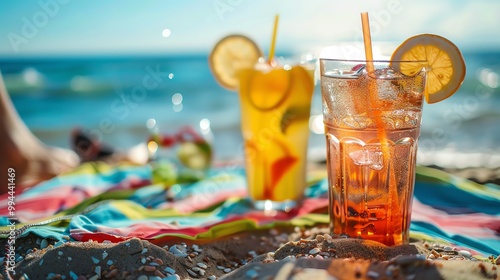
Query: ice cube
point(387, 74)
point(358, 122)
point(368, 155)
point(376, 212)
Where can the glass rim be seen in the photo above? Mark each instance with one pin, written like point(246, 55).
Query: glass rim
point(373, 61)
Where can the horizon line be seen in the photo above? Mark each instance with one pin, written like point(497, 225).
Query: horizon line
point(145, 54)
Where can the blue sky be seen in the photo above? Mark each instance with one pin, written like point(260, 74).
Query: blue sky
point(51, 27)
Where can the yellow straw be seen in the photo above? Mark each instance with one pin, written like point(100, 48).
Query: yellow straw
point(367, 38)
point(273, 40)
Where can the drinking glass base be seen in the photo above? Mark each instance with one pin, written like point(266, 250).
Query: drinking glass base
point(272, 206)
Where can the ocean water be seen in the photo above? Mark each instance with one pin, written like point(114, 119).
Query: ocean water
point(113, 97)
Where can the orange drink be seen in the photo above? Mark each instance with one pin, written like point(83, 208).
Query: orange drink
point(372, 112)
point(275, 103)
point(275, 107)
point(371, 176)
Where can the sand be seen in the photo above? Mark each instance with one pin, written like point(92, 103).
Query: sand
point(274, 254)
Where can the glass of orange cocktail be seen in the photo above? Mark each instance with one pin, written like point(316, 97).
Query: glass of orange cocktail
point(372, 123)
point(275, 105)
point(372, 113)
point(275, 101)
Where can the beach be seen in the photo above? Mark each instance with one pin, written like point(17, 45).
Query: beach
point(130, 229)
point(121, 222)
point(122, 154)
point(278, 253)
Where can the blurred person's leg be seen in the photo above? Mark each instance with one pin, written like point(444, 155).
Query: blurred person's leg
point(90, 149)
point(30, 160)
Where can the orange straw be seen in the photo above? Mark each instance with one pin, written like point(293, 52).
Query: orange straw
point(373, 95)
point(377, 116)
point(367, 38)
point(273, 40)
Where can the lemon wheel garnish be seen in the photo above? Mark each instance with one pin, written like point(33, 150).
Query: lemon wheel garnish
point(230, 55)
point(442, 60)
point(268, 90)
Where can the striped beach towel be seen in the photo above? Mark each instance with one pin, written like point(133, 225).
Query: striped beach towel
point(101, 202)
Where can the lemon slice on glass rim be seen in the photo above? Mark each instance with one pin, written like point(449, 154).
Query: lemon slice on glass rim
point(442, 60)
point(230, 55)
point(268, 90)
